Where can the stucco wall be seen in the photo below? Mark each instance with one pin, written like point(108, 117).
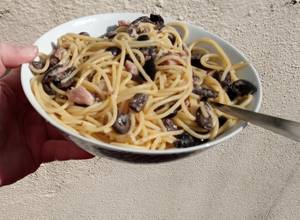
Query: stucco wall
point(259, 179)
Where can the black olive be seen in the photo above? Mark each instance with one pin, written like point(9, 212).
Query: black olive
point(217, 75)
point(172, 38)
point(204, 122)
point(143, 37)
point(48, 89)
point(201, 90)
point(186, 140)
point(231, 92)
point(243, 87)
point(38, 64)
point(138, 78)
point(127, 57)
point(111, 28)
point(196, 81)
point(50, 74)
point(195, 60)
point(154, 19)
point(84, 33)
point(174, 113)
point(55, 75)
point(149, 52)
point(143, 19)
point(227, 86)
point(234, 89)
point(122, 123)
point(157, 19)
point(169, 124)
point(133, 28)
point(240, 88)
point(226, 82)
point(111, 34)
point(114, 50)
point(205, 93)
point(150, 68)
point(196, 63)
point(222, 120)
point(61, 75)
point(138, 102)
point(66, 85)
point(53, 61)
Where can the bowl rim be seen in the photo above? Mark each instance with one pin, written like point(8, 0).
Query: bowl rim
point(137, 150)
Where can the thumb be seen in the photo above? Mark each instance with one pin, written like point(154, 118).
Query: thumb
point(12, 56)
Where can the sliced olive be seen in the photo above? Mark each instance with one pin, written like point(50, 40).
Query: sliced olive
point(196, 81)
point(53, 61)
point(226, 83)
point(196, 63)
point(172, 38)
point(38, 64)
point(157, 19)
point(195, 60)
point(149, 52)
point(150, 68)
point(111, 28)
point(174, 113)
point(65, 85)
point(202, 121)
point(138, 78)
point(240, 88)
point(84, 33)
point(133, 28)
point(114, 50)
point(231, 92)
point(48, 89)
point(204, 92)
point(217, 75)
point(222, 120)
point(122, 123)
point(143, 19)
point(56, 75)
point(111, 34)
point(237, 88)
point(186, 140)
point(143, 37)
point(244, 87)
point(138, 102)
point(169, 124)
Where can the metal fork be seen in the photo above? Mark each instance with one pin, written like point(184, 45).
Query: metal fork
point(287, 128)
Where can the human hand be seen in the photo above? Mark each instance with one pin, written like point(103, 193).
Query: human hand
point(26, 140)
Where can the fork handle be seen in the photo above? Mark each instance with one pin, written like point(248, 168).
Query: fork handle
point(287, 128)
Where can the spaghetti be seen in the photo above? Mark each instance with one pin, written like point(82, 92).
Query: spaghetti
point(140, 85)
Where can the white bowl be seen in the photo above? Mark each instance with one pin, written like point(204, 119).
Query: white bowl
point(96, 25)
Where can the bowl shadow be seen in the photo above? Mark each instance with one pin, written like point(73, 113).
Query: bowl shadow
point(141, 158)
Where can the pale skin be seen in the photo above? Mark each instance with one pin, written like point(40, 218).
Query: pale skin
point(26, 139)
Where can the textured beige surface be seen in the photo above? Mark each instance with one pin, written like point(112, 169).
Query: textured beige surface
point(255, 175)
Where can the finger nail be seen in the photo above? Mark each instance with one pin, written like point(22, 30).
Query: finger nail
point(29, 51)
